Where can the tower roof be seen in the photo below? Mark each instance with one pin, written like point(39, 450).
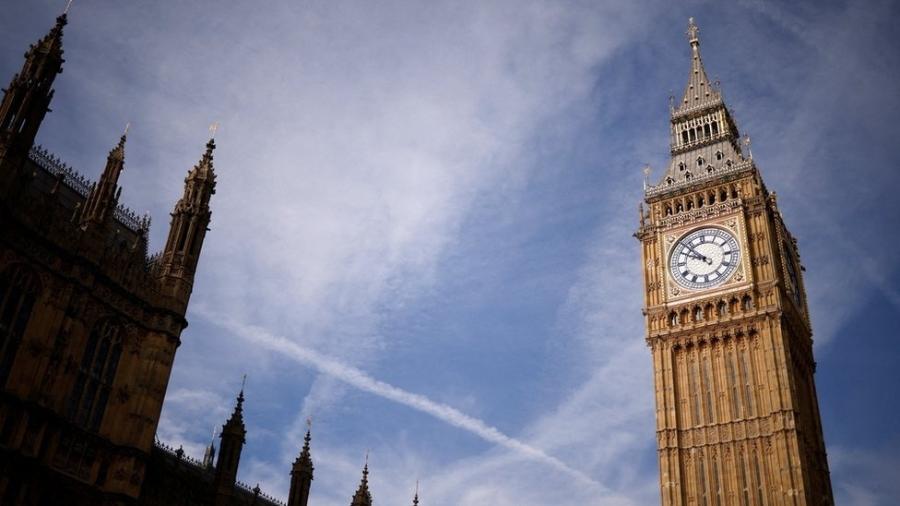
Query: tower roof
point(699, 93)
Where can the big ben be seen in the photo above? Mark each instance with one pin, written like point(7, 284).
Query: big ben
point(737, 418)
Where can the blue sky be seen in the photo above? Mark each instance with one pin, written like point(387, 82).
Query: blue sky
point(422, 231)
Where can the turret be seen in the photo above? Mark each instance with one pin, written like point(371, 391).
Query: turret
point(301, 476)
point(233, 437)
point(190, 219)
point(104, 197)
point(362, 496)
point(27, 98)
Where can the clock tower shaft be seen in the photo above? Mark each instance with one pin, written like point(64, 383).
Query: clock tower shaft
point(736, 407)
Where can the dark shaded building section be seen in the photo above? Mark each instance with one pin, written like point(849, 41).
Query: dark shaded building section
point(90, 323)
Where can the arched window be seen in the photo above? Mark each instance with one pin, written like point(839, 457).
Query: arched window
point(700, 201)
point(715, 127)
point(681, 166)
point(734, 192)
point(673, 319)
point(690, 205)
point(709, 169)
point(678, 207)
point(722, 308)
point(668, 210)
point(706, 131)
point(723, 195)
point(687, 175)
point(698, 314)
point(18, 291)
point(718, 155)
point(700, 161)
point(684, 137)
point(712, 198)
point(693, 135)
point(728, 163)
point(746, 303)
point(96, 373)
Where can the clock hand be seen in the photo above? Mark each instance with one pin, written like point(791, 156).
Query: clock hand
point(697, 255)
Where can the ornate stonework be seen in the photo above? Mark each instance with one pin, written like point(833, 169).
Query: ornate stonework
point(736, 407)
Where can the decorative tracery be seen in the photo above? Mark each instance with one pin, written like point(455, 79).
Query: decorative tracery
point(96, 374)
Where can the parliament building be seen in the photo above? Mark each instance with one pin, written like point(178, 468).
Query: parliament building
point(90, 322)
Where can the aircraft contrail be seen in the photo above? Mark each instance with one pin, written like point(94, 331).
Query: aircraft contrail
point(359, 379)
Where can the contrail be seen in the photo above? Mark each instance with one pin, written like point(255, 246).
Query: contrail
point(359, 379)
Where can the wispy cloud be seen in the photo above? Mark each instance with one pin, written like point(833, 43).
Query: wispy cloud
point(359, 379)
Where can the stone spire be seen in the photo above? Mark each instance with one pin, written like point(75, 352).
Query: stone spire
point(209, 456)
point(416, 497)
point(233, 435)
point(27, 98)
point(699, 92)
point(104, 196)
point(362, 496)
point(301, 475)
point(190, 220)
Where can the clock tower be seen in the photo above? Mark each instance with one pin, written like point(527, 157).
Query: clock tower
point(737, 418)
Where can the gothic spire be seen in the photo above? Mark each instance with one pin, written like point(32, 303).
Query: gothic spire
point(416, 497)
point(190, 221)
point(301, 475)
point(362, 496)
point(699, 91)
point(233, 438)
point(27, 98)
point(104, 195)
point(236, 421)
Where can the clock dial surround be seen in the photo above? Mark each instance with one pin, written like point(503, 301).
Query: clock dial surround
point(704, 258)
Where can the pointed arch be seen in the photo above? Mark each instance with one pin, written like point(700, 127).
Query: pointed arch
point(96, 373)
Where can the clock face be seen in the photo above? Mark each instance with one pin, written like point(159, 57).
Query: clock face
point(704, 258)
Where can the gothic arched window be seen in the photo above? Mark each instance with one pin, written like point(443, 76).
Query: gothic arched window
point(718, 155)
point(700, 161)
point(715, 127)
point(95, 374)
point(18, 291)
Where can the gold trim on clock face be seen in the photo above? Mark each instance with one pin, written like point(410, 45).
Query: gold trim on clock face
point(704, 258)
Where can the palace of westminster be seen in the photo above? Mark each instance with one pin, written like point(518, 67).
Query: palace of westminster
point(90, 323)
